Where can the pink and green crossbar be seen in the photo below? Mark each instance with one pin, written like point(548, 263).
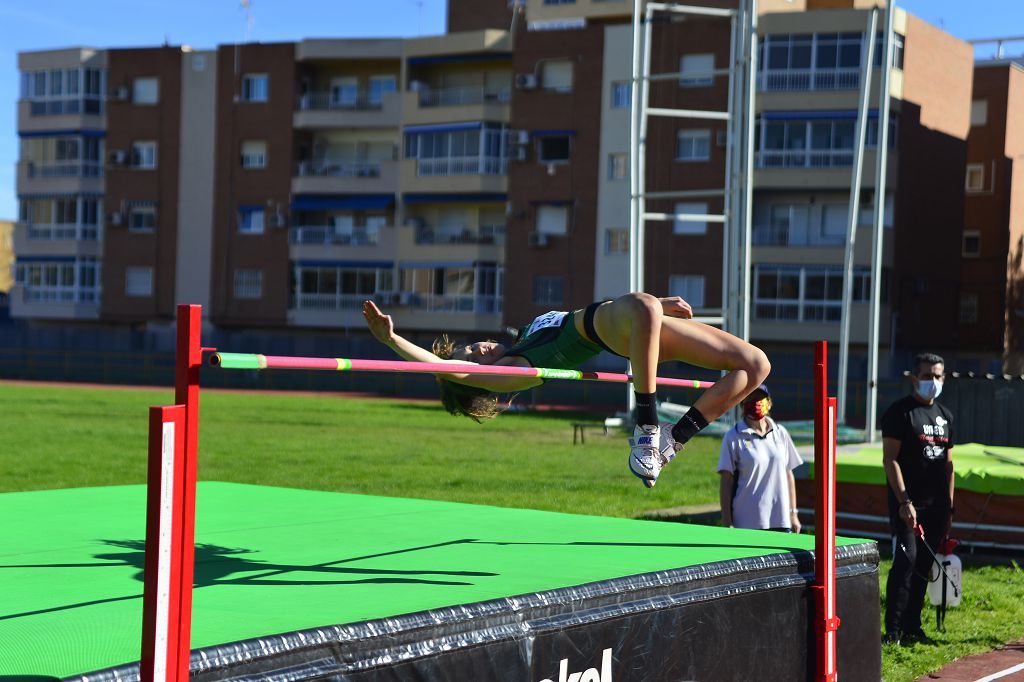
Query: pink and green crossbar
point(254, 361)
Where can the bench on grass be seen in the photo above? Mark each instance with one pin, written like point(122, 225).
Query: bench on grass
point(580, 428)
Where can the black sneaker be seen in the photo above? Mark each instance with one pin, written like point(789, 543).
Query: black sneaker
point(916, 637)
point(891, 637)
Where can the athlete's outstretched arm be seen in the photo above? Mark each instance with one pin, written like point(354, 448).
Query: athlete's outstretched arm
point(383, 329)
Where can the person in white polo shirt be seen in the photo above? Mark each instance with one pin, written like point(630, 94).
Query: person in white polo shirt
point(756, 463)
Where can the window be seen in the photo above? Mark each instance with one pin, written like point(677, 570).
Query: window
point(975, 181)
point(622, 95)
point(553, 148)
point(255, 87)
point(556, 75)
point(345, 92)
point(690, 287)
point(250, 220)
point(379, 86)
point(812, 293)
point(972, 244)
point(687, 226)
point(968, 308)
point(835, 221)
point(618, 166)
point(700, 66)
point(693, 145)
point(979, 112)
point(548, 290)
point(138, 281)
point(145, 91)
point(616, 241)
point(338, 287)
point(142, 219)
point(144, 154)
point(248, 284)
point(254, 154)
point(553, 219)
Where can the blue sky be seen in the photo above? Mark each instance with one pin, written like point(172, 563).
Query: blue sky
point(47, 24)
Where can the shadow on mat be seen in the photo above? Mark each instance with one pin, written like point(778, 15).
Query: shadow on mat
point(215, 564)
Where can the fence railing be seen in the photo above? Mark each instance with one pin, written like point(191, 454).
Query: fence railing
point(462, 96)
point(809, 79)
point(73, 105)
point(804, 158)
point(462, 165)
point(339, 169)
point(485, 234)
point(59, 231)
point(333, 101)
point(64, 169)
point(328, 234)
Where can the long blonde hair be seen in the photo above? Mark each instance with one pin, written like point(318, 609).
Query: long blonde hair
point(458, 399)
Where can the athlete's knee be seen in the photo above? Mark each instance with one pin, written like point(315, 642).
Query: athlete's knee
point(758, 366)
point(644, 306)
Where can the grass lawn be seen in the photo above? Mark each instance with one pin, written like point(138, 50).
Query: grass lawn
point(58, 437)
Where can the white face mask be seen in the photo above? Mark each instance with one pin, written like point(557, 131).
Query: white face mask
point(928, 389)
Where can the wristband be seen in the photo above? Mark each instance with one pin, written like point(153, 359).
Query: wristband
point(906, 501)
point(794, 511)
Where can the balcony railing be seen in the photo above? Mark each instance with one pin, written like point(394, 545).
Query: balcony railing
point(462, 165)
point(330, 235)
point(328, 101)
point(781, 235)
point(64, 169)
point(803, 158)
point(463, 96)
point(802, 80)
point(340, 169)
point(57, 294)
point(817, 311)
point(328, 302)
point(73, 105)
point(485, 234)
point(453, 303)
point(60, 231)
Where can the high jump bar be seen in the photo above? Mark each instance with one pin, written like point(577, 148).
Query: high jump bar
point(256, 361)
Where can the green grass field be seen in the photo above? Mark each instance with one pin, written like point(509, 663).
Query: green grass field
point(58, 437)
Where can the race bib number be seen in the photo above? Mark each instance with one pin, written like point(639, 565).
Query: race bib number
point(551, 319)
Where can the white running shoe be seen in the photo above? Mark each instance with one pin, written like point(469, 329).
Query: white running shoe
point(651, 448)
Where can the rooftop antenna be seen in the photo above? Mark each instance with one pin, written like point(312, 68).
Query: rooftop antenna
point(246, 5)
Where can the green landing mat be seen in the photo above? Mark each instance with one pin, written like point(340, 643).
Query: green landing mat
point(979, 468)
point(273, 560)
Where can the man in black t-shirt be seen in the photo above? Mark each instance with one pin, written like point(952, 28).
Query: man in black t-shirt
point(917, 440)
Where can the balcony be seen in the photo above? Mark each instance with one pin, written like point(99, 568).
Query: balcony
point(485, 234)
point(342, 176)
point(54, 303)
point(477, 304)
point(821, 169)
point(442, 105)
point(311, 242)
point(327, 110)
point(60, 177)
point(804, 80)
point(75, 113)
point(805, 158)
point(461, 174)
point(56, 239)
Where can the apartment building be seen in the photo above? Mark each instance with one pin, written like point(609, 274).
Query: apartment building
point(280, 185)
point(990, 314)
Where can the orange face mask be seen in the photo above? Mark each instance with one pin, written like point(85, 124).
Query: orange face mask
point(757, 409)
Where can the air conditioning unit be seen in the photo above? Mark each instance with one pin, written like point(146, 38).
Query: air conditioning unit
point(537, 239)
point(519, 153)
point(120, 93)
point(116, 218)
point(119, 157)
point(278, 220)
point(526, 81)
point(406, 298)
point(417, 86)
point(415, 222)
point(521, 137)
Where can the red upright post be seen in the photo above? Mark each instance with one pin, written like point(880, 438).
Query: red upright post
point(824, 587)
point(186, 392)
point(161, 601)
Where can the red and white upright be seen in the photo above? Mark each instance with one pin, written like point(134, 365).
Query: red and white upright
point(824, 587)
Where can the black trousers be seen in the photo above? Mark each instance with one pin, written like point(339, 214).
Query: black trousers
point(911, 561)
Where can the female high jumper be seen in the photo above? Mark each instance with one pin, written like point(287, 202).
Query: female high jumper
point(640, 327)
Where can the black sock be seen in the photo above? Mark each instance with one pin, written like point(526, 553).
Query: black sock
point(646, 408)
point(689, 425)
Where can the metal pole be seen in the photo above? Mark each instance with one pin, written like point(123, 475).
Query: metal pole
point(634, 172)
point(748, 196)
point(851, 234)
point(879, 223)
point(731, 163)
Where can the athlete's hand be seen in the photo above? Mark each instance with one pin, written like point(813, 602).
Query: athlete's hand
point(675, 306)
point(381, 325)
point(908, 514)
